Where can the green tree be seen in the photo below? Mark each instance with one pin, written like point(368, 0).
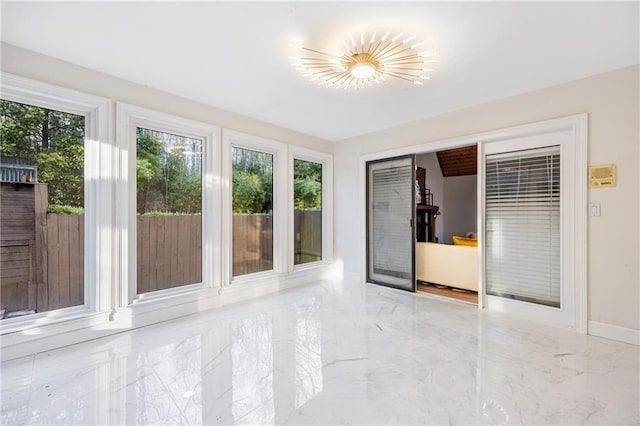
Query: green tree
point(169, 172)
point(307, 185)
point(148, 168)
point(248, 193)
point(51, 140)
point(252, 181)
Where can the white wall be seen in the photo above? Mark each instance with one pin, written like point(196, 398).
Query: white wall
point(434, 181)
point(46, 69)
point(460, 212)
point(611, 100)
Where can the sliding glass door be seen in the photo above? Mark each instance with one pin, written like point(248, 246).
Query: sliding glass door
point(390, 219)
point(528, 229)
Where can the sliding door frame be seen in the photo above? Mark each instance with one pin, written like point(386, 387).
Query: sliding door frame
point(562, 316)
point(578, 125)
point(412, 224)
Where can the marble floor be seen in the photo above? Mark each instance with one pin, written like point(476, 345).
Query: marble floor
point(331, 353)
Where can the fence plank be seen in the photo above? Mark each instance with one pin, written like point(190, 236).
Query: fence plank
point(63, 260)
point(190, 242)
point(163, 262)
point(190, 250)
point(196, 264)
point(143, 248)
point(41, 247)
point(16, 253)
point(76, 259)
point(33, 288)
point(81, 234)
point(173, 250)
point(182, 241)
point(13, 271)
point(52, 262)
point(14, 298)
point(153, 253)
point(139, 287)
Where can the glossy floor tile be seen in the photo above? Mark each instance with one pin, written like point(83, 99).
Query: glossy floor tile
point(331, 353)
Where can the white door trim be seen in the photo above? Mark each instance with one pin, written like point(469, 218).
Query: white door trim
point(578, 125)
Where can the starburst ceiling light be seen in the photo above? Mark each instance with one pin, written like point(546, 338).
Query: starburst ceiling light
point(366, 60)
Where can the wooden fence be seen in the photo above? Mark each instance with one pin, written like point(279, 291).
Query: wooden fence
point(17, 245)
point(59, 262)
point(42, 255)
point(252, 243)
point(307, 240)
point(169, 251)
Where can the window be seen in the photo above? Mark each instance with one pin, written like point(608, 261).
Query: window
point(307, 214)
point(42, 213)
point(254, 208)
point(311, 189)
point(169, 204)
point(252, 192)
point(169, 210)
point(56, 157)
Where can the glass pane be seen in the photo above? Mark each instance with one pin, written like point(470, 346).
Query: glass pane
point(252, 190)
point(169, 206)
point(391, 205)
point(307, 214)
point(523, 226)
point(41, 209)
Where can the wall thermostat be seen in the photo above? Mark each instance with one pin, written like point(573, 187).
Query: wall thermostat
point(602, 176)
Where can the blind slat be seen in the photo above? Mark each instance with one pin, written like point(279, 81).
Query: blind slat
point(523, 225)
point(390, 225)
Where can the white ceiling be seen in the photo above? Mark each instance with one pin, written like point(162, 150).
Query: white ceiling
point(235, 55)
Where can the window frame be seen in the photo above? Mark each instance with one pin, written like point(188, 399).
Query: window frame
point(326, 160)
point(98, 201)
point(231, 139)
point(129, 118)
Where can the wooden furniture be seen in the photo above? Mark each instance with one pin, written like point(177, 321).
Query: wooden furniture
point(453, 266)
point(426, 223)
point(426, 212)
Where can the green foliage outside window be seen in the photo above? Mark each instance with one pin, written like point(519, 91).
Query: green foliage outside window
point(307, 185)
point(168, 167)
point(252, 182)
point(51, 140)
point(168, 172)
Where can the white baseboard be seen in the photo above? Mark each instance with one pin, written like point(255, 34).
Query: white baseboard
point(614, 332)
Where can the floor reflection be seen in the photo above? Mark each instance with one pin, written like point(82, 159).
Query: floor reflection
point(330, 354)
point(308, 376)
point(252, 366)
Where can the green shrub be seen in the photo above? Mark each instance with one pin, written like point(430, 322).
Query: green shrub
point(53, 208)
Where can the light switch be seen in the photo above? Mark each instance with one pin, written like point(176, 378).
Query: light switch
point(594, 209)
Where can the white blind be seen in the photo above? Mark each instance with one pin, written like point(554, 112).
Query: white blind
point(523, 225)
point(391, 228)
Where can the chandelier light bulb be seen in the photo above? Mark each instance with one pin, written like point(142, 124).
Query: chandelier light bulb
point(371, 60)
point(363, 70)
